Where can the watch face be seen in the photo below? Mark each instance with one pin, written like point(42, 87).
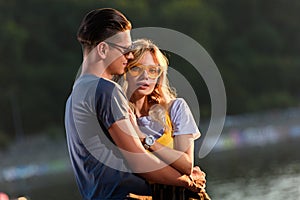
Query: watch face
point(149, 140)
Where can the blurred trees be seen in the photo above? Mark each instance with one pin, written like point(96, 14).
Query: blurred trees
point(255, 45)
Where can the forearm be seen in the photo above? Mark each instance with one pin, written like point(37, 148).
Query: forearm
point(167, 175)
point(170, 176)
point(177, 159)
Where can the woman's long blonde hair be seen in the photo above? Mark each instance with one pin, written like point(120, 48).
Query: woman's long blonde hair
point(162, 94)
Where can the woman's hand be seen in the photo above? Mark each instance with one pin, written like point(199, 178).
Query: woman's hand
point(198, 177)
point(196, 181)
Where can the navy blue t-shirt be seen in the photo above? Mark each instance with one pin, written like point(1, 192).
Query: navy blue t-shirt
point(100, 169)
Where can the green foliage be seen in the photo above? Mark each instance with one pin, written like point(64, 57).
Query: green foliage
point(4, 140)
point(255, 45)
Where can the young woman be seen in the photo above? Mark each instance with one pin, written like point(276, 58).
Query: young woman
point(166, 121)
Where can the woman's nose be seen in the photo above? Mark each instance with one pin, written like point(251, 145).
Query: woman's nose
point(144, 74)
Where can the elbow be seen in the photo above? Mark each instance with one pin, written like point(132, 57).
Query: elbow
point(188, 166)
point(187, 170)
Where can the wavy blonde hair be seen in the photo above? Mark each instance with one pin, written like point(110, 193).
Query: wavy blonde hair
point(162, 94)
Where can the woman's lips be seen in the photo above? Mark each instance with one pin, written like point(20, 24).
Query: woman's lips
point(142, 85)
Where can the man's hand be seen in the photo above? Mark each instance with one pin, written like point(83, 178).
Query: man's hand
point(132, 117)
point(135, 125)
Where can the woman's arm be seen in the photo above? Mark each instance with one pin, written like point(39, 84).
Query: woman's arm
point(143, 163)
point(181, 157)
point(185, 131)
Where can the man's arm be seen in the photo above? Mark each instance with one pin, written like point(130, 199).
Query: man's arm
point(146, 164)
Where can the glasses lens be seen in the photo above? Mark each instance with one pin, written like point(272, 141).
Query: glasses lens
point(152, 70)
point(129, 49)
point(136, 70)
point(122, 49)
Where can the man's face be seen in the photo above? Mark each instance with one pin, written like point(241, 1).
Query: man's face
point(119, 52)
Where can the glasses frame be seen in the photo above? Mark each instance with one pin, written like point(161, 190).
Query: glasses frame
point(145, 67)
point(126, 50)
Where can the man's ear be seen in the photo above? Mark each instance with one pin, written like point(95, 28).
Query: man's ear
point(102, 50)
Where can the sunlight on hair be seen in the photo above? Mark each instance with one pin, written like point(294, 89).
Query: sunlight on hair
point(22, 198)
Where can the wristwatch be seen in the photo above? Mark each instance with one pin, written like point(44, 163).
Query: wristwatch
point(148, 141)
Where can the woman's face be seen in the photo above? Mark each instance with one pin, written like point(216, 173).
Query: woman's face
point(140, 80)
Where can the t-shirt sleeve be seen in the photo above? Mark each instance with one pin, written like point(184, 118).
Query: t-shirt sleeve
point(182, 119)
point(111, 103)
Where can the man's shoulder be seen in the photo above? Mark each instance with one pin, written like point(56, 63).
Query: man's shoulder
point(88, 86)
point(86, 81)
point(107, 83)
point(108, 86)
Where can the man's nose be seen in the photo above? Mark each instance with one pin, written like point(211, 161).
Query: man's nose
point(129, 55)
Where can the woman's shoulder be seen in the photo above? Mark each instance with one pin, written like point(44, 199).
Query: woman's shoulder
point(177, 107)
point(177, 103)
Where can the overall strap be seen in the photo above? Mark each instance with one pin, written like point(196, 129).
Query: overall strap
point(166, 139)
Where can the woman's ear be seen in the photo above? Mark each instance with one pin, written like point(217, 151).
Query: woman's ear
point(102, 50)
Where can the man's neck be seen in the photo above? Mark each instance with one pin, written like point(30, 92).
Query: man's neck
point(90, 66)
point(106, 75)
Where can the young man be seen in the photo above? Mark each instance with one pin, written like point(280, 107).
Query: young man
point(108, 158)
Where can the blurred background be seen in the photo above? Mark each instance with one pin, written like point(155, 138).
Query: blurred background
point(254, 43)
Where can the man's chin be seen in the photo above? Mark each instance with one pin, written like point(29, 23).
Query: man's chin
point(117, 76)
point(122, 73)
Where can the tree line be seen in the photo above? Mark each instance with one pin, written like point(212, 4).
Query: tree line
point(254, 43)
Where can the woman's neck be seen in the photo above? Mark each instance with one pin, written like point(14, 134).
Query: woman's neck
point(141, 106)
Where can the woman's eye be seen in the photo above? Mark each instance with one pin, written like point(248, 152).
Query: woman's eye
point(136, 69)
point(153, 70)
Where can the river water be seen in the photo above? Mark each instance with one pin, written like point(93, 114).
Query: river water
point(39, 168)
point(285, 186)
point(270, 172)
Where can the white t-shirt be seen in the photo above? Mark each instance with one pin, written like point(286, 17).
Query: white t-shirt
point(181, 117)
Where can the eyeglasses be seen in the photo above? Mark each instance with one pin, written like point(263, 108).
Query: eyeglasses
point(124, 51)
point(153, 71)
